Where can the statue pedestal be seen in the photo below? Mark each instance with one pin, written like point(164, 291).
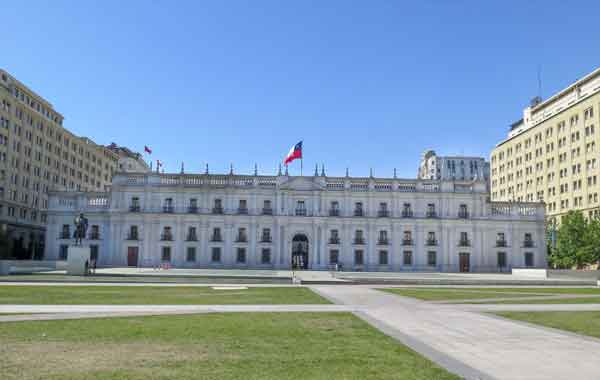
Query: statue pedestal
point(77, 256)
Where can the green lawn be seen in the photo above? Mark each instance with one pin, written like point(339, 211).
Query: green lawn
point(211, 346)
point(144, 295)
point(581, 322)
point(41, 277)
point(458, 294)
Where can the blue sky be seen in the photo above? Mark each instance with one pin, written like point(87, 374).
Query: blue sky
point(363, 84)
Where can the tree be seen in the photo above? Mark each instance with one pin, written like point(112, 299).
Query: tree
point(592, 239)
point(571, 242)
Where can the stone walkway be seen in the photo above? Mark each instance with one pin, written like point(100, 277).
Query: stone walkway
point(472, 344)
point(47, 312)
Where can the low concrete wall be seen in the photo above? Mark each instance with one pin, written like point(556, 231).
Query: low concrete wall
point(530, 272)
point(29, 266)
point(574, 274)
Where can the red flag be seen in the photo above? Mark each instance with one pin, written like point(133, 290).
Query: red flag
point(147, 150)
point(295, 152)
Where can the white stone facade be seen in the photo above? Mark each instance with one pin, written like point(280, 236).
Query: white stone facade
point(275, 221)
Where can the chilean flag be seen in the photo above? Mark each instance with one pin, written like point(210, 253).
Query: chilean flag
point(295, 152)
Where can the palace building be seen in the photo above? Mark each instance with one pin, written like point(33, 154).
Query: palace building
point(306, 222)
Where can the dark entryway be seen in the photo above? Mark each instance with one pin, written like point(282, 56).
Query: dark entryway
point(132, 256)
point(464, 262)
point(300, 252)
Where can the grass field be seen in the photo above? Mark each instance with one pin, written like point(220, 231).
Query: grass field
point(581, 322)
point(211, 346)
point(41, 277)
point(458, 294)
point(154, 295)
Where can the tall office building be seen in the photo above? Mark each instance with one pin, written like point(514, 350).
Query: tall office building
point(37, 155)
point(551, 154)
point(449, 168)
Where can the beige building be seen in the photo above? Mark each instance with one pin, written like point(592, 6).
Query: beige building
point(129, 161)
point(38, 155)
point(552, 153)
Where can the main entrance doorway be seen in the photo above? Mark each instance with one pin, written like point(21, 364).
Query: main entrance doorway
point(464, 262)
point(300, 252)
point(132, 256)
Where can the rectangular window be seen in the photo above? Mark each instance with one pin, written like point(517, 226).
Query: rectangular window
point(191, 254)
point(242, 237)
point(431, 258)
point(266, 235)
point(383, 257)
point(94, 252)
point(528, 259)
point(63, 251)
point(501, 259)
point(216, 236)
point(334, 255)
point(358, 257)
point(407, 258)
point(166, 254)
point(215, 254)
point(241, 255)
point(266, 256)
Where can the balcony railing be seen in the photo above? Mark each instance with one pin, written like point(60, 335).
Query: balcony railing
point(134, 208)
point(168, 209)
point(193, 210)
point(216, 238)
point(383, 242)
point(133, 236)
point(241, 239)
point(334, 212)
point(463, 215)
point(267, 211)
point(166, 237)
point(407, 242)
point(242, 211)
point(431, 214)
point(95, 236)
point(359, 241)
point(383, 213)
point(407, 213)
point(334, 240)
point(217, 210)
point(266, 239)
point(464, 243)
point(191, 237)
point(528, 244)
point(500, 243)
point(300, 212)
point(358, 212)
point(64, 235)
point(431, 242)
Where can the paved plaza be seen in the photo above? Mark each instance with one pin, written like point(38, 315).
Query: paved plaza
point(462, 338)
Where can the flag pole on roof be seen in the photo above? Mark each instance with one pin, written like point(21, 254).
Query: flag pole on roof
point(294, 153)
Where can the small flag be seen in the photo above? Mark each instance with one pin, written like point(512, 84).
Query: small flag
point(158, 163)
point(147, 150)
point(295, 152)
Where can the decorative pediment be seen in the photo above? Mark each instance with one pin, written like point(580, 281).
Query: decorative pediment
point(302, 184)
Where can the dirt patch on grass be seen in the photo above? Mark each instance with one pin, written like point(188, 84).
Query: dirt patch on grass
point(47, 359)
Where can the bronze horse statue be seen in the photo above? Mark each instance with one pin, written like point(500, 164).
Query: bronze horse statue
point(81, 225)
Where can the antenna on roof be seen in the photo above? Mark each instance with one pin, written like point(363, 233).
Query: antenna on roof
point(539, 78)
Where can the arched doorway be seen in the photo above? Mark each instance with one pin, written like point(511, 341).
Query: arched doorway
point(300, 252)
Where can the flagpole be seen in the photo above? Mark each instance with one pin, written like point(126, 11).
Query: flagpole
point(301, 164)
